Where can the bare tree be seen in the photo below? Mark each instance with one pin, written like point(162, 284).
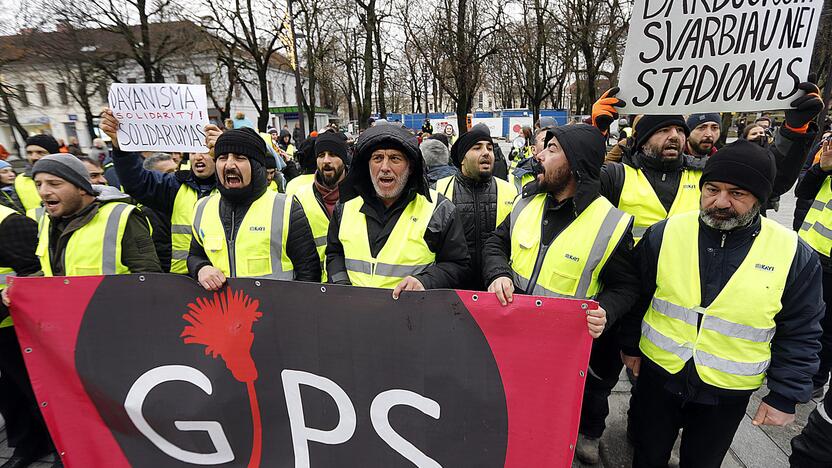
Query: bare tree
point(367, 17)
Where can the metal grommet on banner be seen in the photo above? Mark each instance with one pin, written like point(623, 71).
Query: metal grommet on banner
point(44, 404)
point(475, 298)
point(538, 303)
point(27, 350)
point(63, 453)
point(257, 283)
point(571, 447)
point(141, 278)
point(581, 373)
point(323, 289)
point(584, 306)
point(66, 281)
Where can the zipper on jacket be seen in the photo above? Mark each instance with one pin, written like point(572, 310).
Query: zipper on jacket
point(477, 240)
point(722, 243)
point(541, 254)
point(232, 261)
point(664, 176)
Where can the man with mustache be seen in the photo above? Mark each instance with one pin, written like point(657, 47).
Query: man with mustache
point(319, 199)
point(731, 299)
point(247, 230)
point(563, 239)
point(37, 146)
point(389, 229)
point(704, 133)
point(170, 195)
point(482, 200)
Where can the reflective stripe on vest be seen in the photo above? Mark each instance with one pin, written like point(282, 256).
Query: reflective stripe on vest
point(816, 229)
point(318, 221)
point(571, 264)
point(505, 195)
point(259, 246)
point(27, 192)
point(95, 248)
point(729, 340)
point(640, 200)
point(295, 184)
point(405, 253)
point(36, 213)
point(5, 272)
point(180, 228)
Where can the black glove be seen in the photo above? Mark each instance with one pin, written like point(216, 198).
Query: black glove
point(805, 108)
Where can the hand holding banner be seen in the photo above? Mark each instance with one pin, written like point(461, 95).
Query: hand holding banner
point(160, 116)
point(686, 56)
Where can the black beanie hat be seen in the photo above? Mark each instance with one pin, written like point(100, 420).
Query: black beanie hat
point(744, 164)
point(695, 120)
point(244, 141)
point(67, 167)
point(335, 143)
point(271, 162)
point(46, 142)
point(650, 124)
point(467, 140)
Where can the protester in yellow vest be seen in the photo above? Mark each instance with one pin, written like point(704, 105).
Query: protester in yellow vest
point(482, 201)
point(564, 240)
point(247, 230)
point(25, 428)
point(816, 230)
point(732, 299)
point(390, 230)
point(37, 146)
point(319, 199)
point(172, 196)
point(86, 232)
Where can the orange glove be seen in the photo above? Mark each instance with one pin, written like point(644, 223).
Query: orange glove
point(604, 110)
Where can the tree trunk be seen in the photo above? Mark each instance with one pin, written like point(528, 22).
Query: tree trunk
point(11, 116)
point(382, 66)
point(369, 27)
point(144, 27)
point(263, 116)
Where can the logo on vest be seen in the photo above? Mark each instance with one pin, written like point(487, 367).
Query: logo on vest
point(571, 257)
point(760, 266)
point(414, 219)
point(689, 186)
point(257, 228)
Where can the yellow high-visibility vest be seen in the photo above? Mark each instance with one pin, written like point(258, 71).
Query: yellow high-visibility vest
point(95, 248)
point(506, 193)
point(180, 228)
point(570, 266)
point(640, 200)
point(816, 229)
point(27, 192)
point(259, 247)
point(318, 221)
point(730, 340)
point(5, 272)
point(404, 254)
point(295, 184)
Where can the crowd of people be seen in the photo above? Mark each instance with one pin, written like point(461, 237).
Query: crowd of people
point(701, 297)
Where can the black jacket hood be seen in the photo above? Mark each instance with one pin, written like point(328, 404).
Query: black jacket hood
point(358, 181)
point(585, 150)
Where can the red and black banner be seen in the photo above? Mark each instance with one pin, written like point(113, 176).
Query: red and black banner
point(154, 371)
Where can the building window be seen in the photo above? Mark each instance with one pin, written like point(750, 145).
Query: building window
point(62, 93)
point(238, 92)
point(22, 96)
point(44, 96)
point(206, 80)
point(269, 88)
point(181, 79)
point(480, 101)
point(283, 91)
point(131, 80)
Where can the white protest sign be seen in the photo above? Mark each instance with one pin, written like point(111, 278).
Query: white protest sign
point(686, 56)
point(160, 117)
point(515, 126)
point(495, 125)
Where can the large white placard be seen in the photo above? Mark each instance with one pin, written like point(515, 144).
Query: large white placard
point(686, 56)
point(160, 117)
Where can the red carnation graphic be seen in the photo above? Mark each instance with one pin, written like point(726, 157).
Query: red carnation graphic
point(223, 324)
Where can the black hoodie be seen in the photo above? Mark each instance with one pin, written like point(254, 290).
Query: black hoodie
point(584, 149)
point(444, 236)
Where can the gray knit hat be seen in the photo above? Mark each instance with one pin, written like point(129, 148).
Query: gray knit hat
point(67, 167)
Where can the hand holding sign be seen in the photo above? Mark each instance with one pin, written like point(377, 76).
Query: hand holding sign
point(604, 110)
point(805, 108)
point(160, 117)
point(109, 125)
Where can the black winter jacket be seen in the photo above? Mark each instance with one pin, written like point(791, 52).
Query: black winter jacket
point(789, 151)
point(476, 205)
point(795, 346)
point(300, 244)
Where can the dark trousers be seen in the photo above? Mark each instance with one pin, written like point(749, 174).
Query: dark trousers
point(822, 376)
point(604, 368)
point(813, 447)
point(25, 427)
point(707, 430)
